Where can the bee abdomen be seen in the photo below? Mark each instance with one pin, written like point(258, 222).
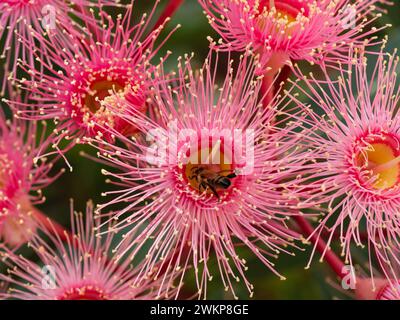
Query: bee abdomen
point(223, 182)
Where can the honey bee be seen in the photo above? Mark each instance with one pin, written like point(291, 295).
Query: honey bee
point(209, 179)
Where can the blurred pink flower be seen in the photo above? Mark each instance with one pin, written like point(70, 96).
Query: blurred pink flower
point(22, 177)
point(79, 267)
point(17, 20)
point(108, 57)
point(280, 30)
point(198, 208)
point(354, 175)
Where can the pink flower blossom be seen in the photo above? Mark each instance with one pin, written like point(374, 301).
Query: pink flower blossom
point(17, 20)
point(112, 56)
point(377, 289)
point(355, 171)
point(22, 177)
point(81, 268)
point(280, 30)
point(202, 199)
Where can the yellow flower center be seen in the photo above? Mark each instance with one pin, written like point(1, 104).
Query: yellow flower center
point(381, 162)
point(283, 15)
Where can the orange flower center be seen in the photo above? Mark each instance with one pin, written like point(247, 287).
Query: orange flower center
point(93, 93)
point(100, 90)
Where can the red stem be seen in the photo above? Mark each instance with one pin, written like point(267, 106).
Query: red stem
point(272, 82)
point(168, 12)
point(267, 86)
point(330, 257)
point(284, 74)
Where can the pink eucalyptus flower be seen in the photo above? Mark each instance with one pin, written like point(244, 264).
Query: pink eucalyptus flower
point(22, 178)
point(111, 57)
point(354, 174)
point(81, 268)
point(211, 190)
point(313, 30)
point(377, 289)
point(18, 18)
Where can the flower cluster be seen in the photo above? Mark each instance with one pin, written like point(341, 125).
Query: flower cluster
point(207, 167)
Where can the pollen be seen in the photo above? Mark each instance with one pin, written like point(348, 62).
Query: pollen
point(99, 89)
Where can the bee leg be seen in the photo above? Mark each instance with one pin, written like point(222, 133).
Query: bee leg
point(194, 177)
point(201, 186)
point(213, 190)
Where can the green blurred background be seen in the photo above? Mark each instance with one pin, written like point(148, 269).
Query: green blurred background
point(86, 181)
